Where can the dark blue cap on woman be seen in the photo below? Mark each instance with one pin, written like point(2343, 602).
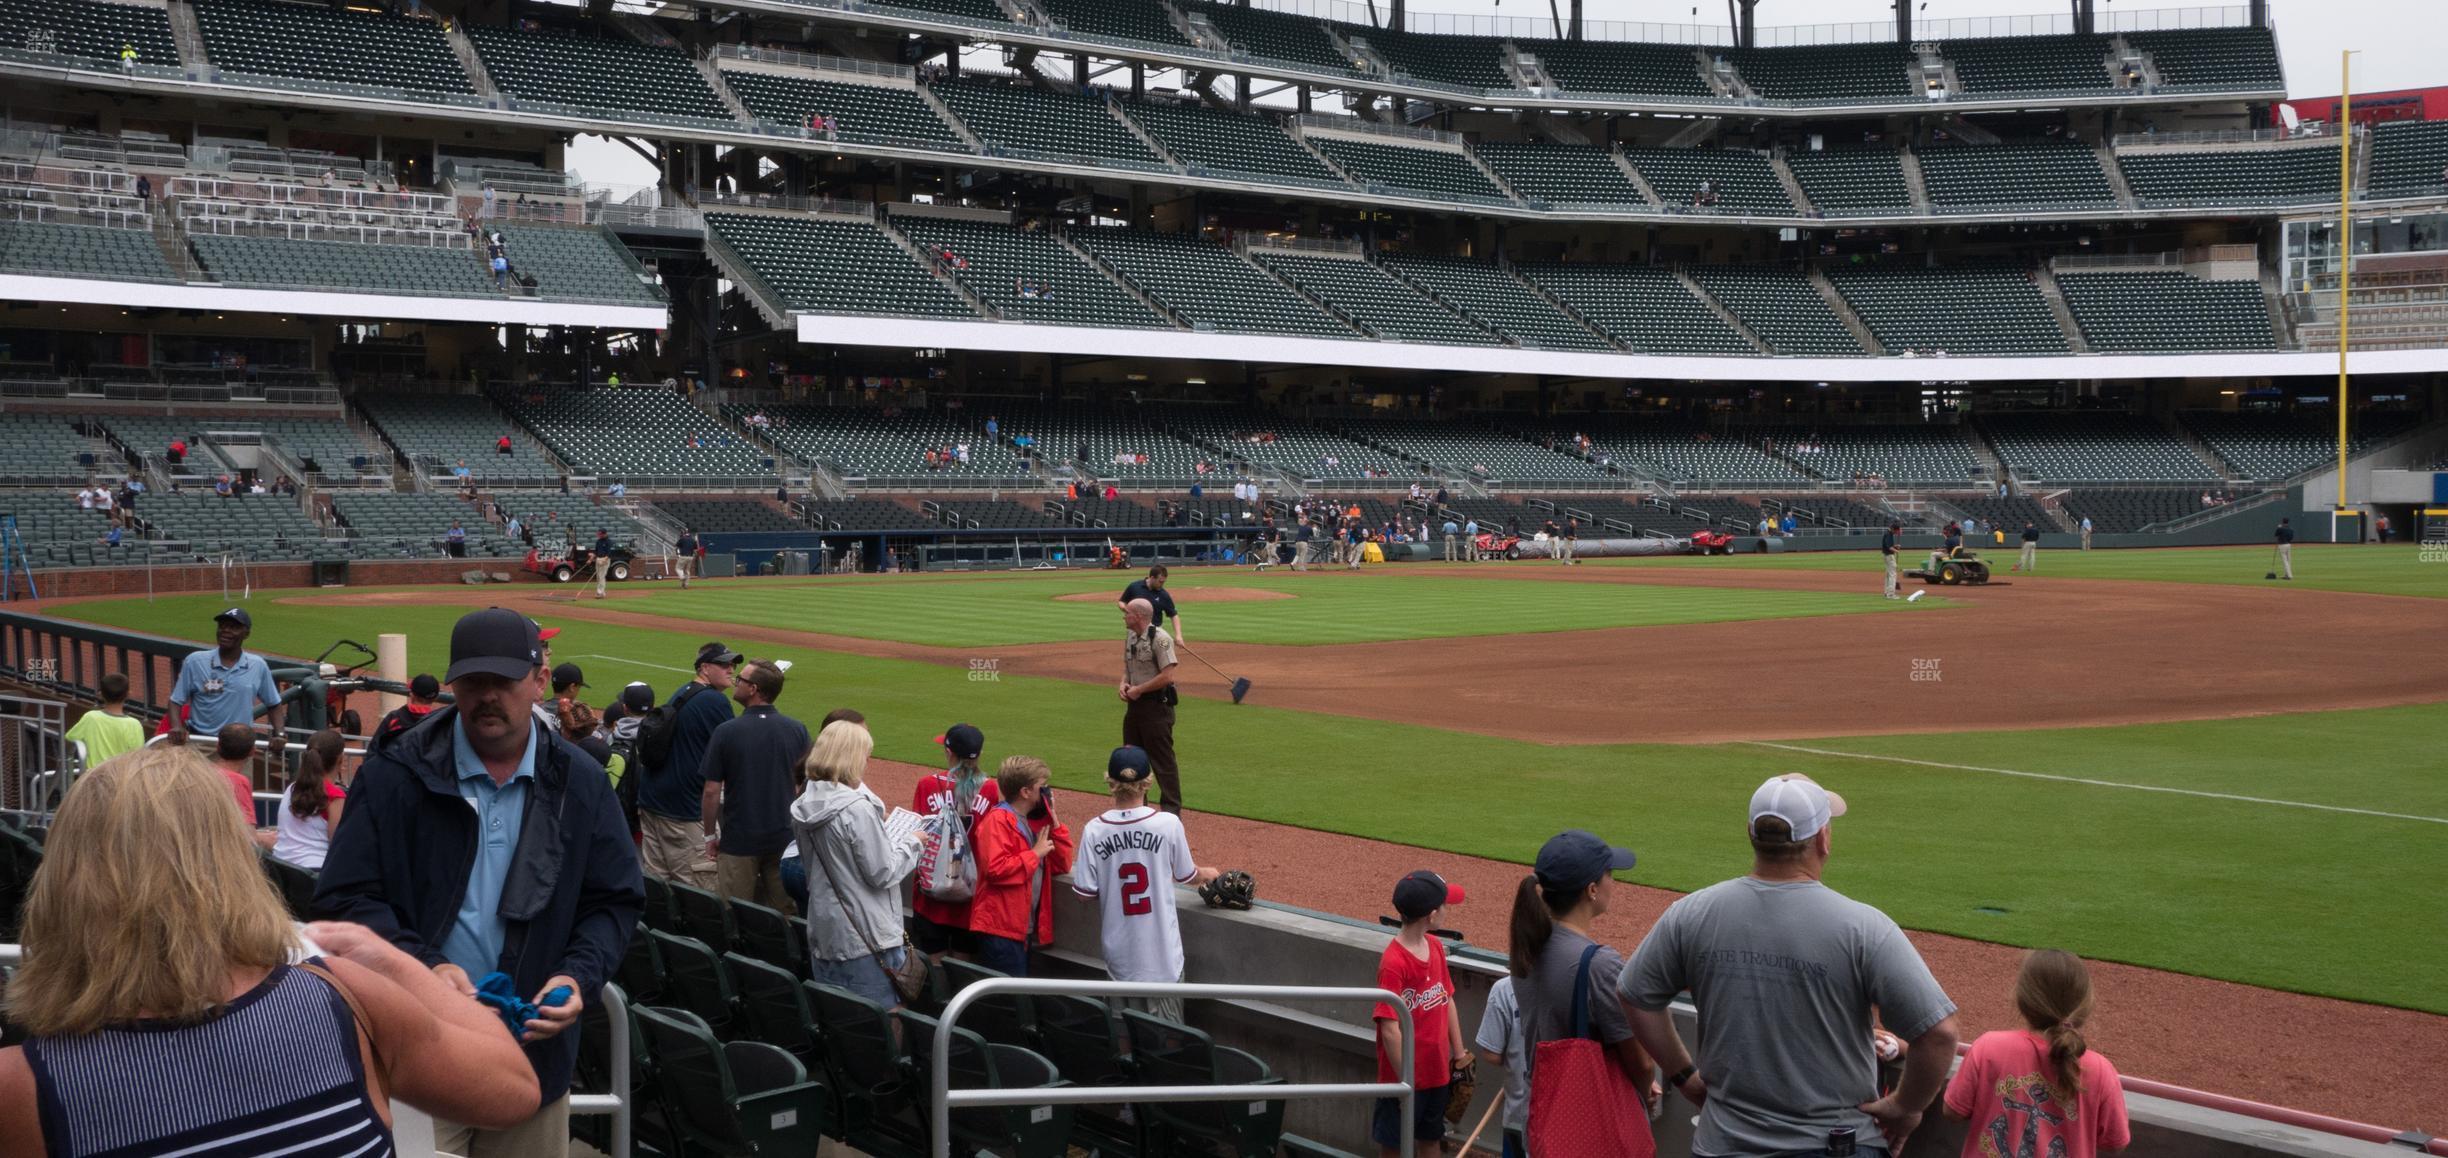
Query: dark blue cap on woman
point(1574, 859)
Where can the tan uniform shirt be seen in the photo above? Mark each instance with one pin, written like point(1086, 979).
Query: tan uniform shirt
point(1145, 654)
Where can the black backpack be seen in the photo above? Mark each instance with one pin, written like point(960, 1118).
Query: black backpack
point(655, 732)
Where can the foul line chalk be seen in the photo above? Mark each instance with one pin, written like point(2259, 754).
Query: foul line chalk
point(2094, 783)
point(639, 663)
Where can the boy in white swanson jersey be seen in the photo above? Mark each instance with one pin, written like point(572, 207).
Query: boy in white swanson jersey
point(1129, 860)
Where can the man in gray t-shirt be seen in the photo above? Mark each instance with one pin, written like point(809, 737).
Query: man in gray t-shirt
point(1786, 972)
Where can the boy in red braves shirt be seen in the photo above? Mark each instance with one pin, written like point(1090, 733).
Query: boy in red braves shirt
point(1414, 966)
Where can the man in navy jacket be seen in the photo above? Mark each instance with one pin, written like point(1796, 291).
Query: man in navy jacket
point(480, 842)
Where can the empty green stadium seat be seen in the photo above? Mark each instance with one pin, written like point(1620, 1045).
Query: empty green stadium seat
point(621, 79)
point(1472, 62)
point(1621, 67)
point(2223, 59)
point(834, 266)
point(1232, 144)
point(1829, 73)
point(721, 516)
point(1984, 309)
point(1782, 307)
point(999, 258)
point(2104, 447)
point(2169, 311)
point(2181, 178)
point(1641, 306)
point(1903, 455)
point(872, 113)
point(87, 33)
point(2018, 174)
point(1742, 181)
point(2020, 65)
point(1136, 21)
point(632, 432)
point(84, 251)
point(2408, 159)
point(1207, 285)
point(579, 263)
point(422, 271)
point(1281, 36)
point(1562, 175)
point(439, 431)
point(1860, 182)
point(1379, 302)
point(1491, 296)
point(1420, 170)
point(348, 50)
point(1016, 118)
point(2277, 446)
point(863, 442)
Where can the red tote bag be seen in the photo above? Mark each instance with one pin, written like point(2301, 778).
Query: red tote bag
point(1582, 1105)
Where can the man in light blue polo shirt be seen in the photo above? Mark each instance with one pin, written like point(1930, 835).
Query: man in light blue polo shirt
point(225, 685)
point(474, 942)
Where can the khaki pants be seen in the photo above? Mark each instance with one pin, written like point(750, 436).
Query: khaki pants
point(680, 567)
point(1148, 723)
point(675, 850)
point(603, 575)
point(1564, 551)
point(2086, 538)
point(2286, 559)
point(1892, 571)
point(545, 1134)
point(754, 879)
point(2031, 557)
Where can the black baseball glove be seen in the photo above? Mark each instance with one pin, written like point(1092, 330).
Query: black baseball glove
point(1233, 889)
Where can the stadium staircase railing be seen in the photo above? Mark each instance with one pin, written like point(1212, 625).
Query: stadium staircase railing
point(945, 1099)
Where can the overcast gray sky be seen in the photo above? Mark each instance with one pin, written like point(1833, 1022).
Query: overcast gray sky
point(2395, 39)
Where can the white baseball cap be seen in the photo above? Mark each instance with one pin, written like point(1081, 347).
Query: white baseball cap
point(1799, 801)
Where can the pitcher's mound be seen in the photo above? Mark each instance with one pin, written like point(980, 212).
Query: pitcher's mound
point(1194, 594)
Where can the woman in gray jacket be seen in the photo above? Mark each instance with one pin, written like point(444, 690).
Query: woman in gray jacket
point(854, 876)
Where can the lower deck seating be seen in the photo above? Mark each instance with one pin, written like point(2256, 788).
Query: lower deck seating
point(1207, 285)
point(2169, 311)
point(2120, 511)
point(1641, 306)
point(1381, 303)
point(718, 516)
point(2102, 447)
point(833, 266)
point(1988, 309)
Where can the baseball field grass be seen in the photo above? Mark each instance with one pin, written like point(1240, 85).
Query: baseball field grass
point(2273, 851)
point(999, 610)
point(2396, 569)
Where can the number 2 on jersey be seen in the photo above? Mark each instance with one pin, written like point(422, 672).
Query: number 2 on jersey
point(1135, 901)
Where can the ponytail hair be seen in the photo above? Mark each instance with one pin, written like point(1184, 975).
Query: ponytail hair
point(2053, 993)
point(307, 794)
point(1535, 908)
point(967, 781)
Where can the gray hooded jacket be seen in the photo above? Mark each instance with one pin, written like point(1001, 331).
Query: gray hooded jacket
point(841, 841)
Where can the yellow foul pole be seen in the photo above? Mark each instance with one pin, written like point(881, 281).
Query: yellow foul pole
point(2345, 121)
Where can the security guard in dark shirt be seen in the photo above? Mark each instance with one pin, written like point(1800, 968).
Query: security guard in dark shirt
point(1153, 590)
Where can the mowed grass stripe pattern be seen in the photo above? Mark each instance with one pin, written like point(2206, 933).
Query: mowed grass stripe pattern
point(2396, 569)
point(2312, 902)
point(1324, 609)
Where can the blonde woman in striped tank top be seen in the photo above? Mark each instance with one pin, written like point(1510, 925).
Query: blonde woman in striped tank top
point(166, 1015)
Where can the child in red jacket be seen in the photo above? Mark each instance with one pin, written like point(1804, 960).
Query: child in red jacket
point(1020, 849)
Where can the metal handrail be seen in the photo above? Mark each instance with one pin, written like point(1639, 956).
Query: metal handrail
point(945, 1099)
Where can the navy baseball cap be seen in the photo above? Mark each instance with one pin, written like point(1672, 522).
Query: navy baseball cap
point(717, 654)
point(568, 676)
point(495, 641)
point(1128, 765)
point(637, 697)
point(425, 687)
point(237, 615)
point(962, 741)
point(1574, 859)
point(1421, 892)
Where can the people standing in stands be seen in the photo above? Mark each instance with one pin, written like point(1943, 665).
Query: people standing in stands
point(122, 1006)
point(498, 255)
point(223, 684)
point(939, 926)
point(424, 695)
point(2041, 1089)
point(749, 770)
point(1021, 848)
point(127, 57)
point(482, 842)
point(671, 799)
point(853, 872)
point(310, 803)
point(1500, 1044)
point(1782, 966)
point(486, 213)
point(502, 445)
point(1130, 859)
point(1571, 885)
point(223, 487)
point(178, 449)
point(234, 755)
point(108, 730)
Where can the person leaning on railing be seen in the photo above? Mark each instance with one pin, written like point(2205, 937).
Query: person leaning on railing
point(298, 1052)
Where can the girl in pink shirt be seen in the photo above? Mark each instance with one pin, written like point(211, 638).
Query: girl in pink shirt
point(2039, 1090)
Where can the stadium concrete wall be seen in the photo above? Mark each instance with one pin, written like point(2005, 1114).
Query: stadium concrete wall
point(1335, 1041)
